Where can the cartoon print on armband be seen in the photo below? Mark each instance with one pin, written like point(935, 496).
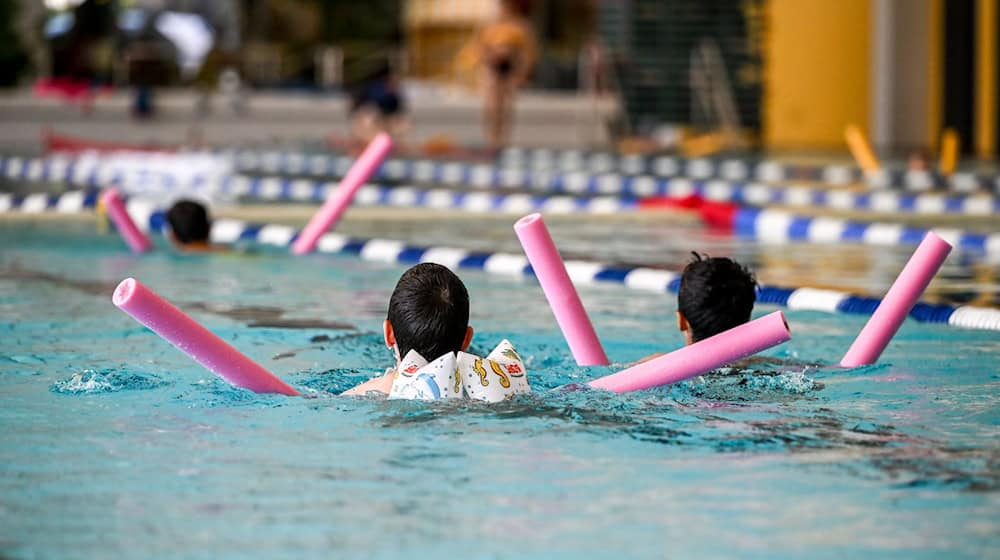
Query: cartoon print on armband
point(512, 354)
point(497, 369)
point(479, 369)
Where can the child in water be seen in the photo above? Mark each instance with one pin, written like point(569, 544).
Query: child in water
point(429, 313)
point(716, 294)
point(428, 330)
point(190, 226)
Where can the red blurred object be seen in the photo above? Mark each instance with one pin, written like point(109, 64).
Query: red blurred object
point(714, 214)
point(69, 89)
point(62, 143)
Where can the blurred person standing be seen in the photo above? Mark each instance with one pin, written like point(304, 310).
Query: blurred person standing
point(507, 50)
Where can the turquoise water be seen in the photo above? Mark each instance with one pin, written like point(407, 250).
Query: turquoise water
point(114, 444)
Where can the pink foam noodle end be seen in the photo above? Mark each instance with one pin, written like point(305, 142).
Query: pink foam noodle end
point(329, 214)
point(114, 205)
point(700, 357)
point(898, 301)
point(147, 307)
point(559, 291)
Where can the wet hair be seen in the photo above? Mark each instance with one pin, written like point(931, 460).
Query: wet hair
point(189, 221)
point(429, 311)
point(716, 294)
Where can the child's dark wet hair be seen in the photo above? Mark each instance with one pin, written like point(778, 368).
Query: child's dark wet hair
point(716, 294)
point(188, 221)
point(429, 311)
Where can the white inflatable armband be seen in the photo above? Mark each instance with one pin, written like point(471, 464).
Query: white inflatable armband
point(499, 376)
point(416, 379)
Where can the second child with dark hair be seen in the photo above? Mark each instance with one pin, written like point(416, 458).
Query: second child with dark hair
point(716, 294)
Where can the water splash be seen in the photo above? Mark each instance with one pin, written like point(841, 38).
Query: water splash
point(92, 381)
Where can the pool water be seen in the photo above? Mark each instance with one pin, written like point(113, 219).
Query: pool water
point(114, 444)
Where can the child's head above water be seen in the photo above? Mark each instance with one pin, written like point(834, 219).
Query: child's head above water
point(716, 294)
point(189, 223)
point(428, 312)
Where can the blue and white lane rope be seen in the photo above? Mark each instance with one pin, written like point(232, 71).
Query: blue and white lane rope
point(367, 196)
point(582, 272)
point(95, 175)
point(544, 160)
point(731, 169)
point(740, 169)
point(767, 226)
point(776, 226)
point(596, 178)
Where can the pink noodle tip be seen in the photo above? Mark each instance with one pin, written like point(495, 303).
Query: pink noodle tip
point(898, 301)
point(114, 205)
point(329, 214)
point(190, 337)
point(559, 291)
point(700, 357)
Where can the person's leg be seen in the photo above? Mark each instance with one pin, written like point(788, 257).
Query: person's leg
point(505, 112)
point(492, 114)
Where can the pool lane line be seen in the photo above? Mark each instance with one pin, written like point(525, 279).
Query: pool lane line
point(743, 168)
point(781, 227)
point(599, 164)
point(492, 175)
point(367, 196)
point(582, 272)
point(95, 173)
point(767, 226)
point(733, 168)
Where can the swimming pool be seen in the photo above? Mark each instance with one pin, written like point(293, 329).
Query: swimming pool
point(117, 445)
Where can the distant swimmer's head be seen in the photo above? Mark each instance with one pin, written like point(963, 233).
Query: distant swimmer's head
point(189, 223)
point(428, 312)
point(716, 294)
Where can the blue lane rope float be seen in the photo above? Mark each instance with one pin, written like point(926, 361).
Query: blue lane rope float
point(741, 169)
point(542, 160)
point(95, 174)
point(284, 190)
point(598, 177)
point(596, 163)
point(587, 272)
point(580, 271)
point(768, 226)
point(777, 226)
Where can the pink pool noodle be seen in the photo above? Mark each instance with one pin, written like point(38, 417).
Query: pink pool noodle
point(898, 301)
point(147, 307)
point(700, 357)
point(340, 199)
point(115, 207)
point(559, 290)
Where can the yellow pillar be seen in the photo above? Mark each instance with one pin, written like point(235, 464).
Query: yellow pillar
point(986, 77)
point(817, 74)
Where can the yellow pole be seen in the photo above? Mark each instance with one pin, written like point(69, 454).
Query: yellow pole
point(949, 151)
point(102, 218)
point(986, 77)
point(861, 149)
point(935, 71)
